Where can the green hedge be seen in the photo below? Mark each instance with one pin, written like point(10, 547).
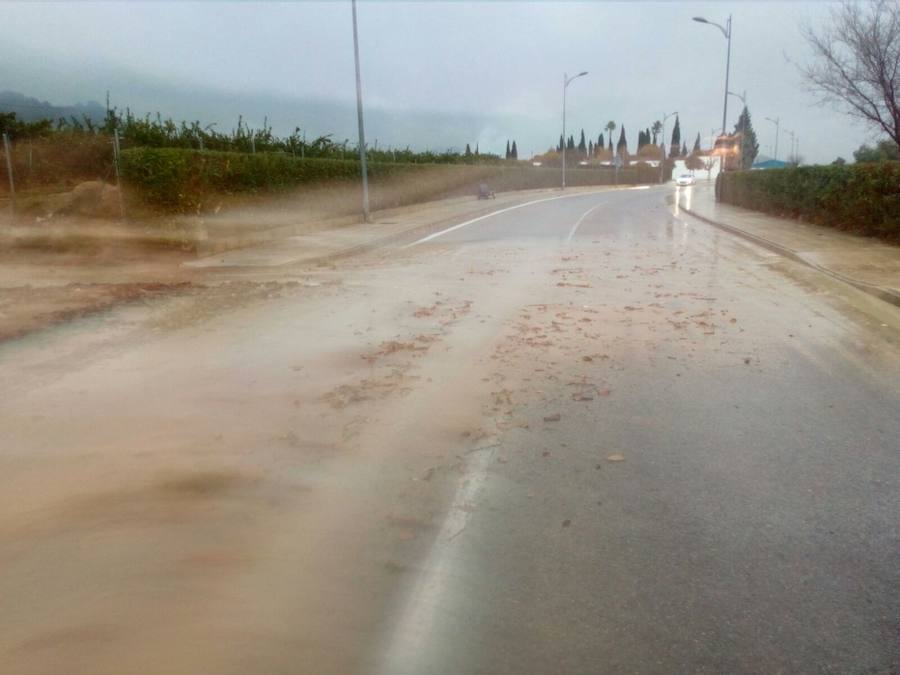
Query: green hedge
point(181, 179)
point(860, 198)
point(189, 180)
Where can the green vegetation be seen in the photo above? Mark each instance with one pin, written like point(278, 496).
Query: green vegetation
point(181, 180)
point(749, 144)
point(675, 147)
point(863, 198)
point(885, 149)
point(188, 168)
point(622, 145)
point(156, 132)
point(189, 181)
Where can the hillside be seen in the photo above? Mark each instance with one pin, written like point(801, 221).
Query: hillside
point(31, 109)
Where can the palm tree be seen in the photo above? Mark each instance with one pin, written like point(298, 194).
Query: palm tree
point(656, 129)
point(610, 127)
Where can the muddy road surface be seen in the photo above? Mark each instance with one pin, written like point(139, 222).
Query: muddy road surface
point(586, 434)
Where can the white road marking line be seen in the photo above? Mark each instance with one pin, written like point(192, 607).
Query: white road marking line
point(410, 636)
point(580, 220)
point(494, 213)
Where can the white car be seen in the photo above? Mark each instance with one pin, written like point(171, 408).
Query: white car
point(685, 179)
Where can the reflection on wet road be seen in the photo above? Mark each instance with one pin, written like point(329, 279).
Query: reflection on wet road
point(585, 435)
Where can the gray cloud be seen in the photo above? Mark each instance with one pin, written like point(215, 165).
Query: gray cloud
point(435, 75)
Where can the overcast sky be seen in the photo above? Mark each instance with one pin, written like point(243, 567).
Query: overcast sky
point(435, 75)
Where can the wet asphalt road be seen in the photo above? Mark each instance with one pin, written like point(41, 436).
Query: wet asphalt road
point(584, 435)
point(731, 506)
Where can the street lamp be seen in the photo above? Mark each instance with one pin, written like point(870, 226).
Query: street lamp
point(726, 31)
point(777, 123)
point(359, 119)
point(743, 96)
point(663, 160)
point(566, 82)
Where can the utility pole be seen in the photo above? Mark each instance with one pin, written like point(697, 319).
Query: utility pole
point(793, 136)
point(777, 123)
point(663, 160)
point(359, 117)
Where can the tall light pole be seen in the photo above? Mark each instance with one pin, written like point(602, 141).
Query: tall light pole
point(726, 31)
point(663, 160)
point(566, 82)
point(359, 117)
point(777, 123)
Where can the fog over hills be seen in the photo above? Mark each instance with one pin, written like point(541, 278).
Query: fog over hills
point(31, 109)
point(390, 128)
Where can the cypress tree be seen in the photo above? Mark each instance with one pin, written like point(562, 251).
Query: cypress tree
point(684, 149)
point(559, 146)
point(697, 143)
point(749, 143)
point(514, 153)
point(601, 144)
point(582, 147)
point(468, 150)
point(675, 147)
point(622, 145)
point(507, 148)
point(570, 144)
point(590, 148)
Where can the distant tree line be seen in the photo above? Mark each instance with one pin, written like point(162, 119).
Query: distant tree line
point(649, 145)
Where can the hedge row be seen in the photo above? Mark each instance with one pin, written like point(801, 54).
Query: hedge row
point(181, 179)
point(860, 198)
point(190, 181)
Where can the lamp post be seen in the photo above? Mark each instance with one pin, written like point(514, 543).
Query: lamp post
point(359, 118)
point(777, 123)
point(663, 160)
point(726, 31)
point(566, 82)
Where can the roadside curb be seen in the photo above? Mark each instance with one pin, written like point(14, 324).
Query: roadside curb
point(886, 294)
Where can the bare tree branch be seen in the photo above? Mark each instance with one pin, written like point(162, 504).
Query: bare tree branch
point(856, 62)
